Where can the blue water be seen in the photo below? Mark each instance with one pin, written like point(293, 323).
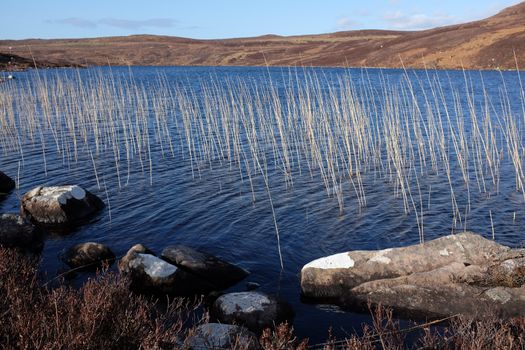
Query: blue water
point(213, 209)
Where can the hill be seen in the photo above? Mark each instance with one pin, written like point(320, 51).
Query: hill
point(13, 63)
point(486, 44)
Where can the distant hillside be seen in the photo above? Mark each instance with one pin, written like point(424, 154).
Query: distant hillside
point(485, 44)
point(12, 62)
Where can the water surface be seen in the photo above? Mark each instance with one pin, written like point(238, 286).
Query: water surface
point(162, 195)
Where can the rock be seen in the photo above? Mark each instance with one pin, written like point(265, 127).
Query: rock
point(462, 273)
point(332, 276)
point(16, 232)
point(137, 248)
point(60, 206)
point(151, 274)
point(219, 273)
point(6, 184)
point(221, 336)
point(89, 255)
point(255, 310)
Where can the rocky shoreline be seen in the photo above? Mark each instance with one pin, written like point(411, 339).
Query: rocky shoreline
point(458, 274)
point(178, 271)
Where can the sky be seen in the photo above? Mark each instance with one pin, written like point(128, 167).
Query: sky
point(209, 19)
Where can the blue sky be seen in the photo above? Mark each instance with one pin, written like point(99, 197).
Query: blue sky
point(209, 19)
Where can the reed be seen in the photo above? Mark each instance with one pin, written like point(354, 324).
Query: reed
point(346, 131)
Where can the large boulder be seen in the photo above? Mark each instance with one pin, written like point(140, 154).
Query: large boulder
point(89, 255)
point(221, 336)
point(255, 310)
point(152, 275)
point(219, 273)
point(463, 273)
point(60, 206)
point(16, 232)
point(6, 184)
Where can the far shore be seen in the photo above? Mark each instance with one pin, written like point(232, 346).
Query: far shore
point(490, 44)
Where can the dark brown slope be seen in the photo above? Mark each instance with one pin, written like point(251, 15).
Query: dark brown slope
point(12, 63)
point(484, 44)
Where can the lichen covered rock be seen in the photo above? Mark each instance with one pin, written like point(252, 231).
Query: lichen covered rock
point(463, 273)
point(60, 206)
point(255, 310)
point(151, 274)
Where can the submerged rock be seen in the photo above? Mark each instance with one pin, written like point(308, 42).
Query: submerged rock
point(221, 336)
point(211, 269)
point(442, 277)
point(151, 274)
point(60, 206)
point(89, 255)
point(255, 310)
point(6, 184)
point(16, 232)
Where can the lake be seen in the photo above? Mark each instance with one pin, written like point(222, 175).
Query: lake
point(228, 159)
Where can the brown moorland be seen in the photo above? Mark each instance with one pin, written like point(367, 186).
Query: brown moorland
point(490, 43)
point(11, 62)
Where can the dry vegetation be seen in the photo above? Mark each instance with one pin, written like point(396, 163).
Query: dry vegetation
point(486, 44)
point(104, 314)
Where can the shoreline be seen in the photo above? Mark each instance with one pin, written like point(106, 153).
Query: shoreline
point(58, 66)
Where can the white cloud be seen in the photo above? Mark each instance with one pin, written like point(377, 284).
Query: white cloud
point(415, 21)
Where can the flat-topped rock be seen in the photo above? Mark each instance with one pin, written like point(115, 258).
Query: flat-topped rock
point(60, 206)
point(210, 336)
point(463, 273)
point(89, 255)
point(255, 310)
point(219, 273)
point(6, 184)
point(333, 275)
point(16, 232)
